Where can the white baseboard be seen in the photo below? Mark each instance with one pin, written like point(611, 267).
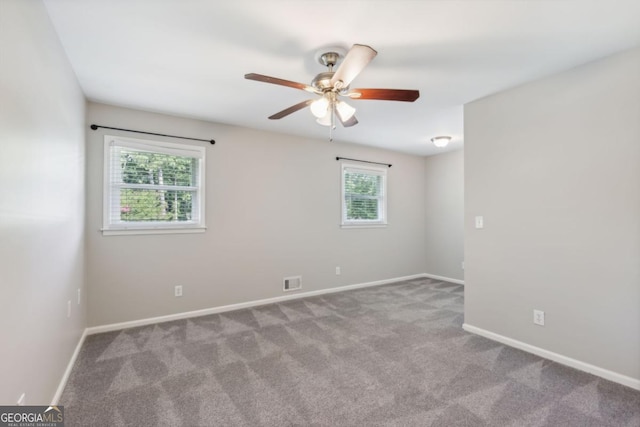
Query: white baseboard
point(444, 279)
point(221, 309)
point(564, 360)
point(67, 372)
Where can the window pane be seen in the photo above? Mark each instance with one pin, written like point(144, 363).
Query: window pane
point(362, 195)
point(155, 205)
point(361, 209)
point(156, 169)
point(362, 183)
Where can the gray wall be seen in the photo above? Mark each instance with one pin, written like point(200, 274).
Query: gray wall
point(554, 168)
point(272, 210)
point(41, 205)
point(444, 184)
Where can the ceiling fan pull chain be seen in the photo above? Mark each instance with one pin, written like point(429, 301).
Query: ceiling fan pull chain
point(331, 125)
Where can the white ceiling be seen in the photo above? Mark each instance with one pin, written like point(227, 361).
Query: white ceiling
point(188, 57)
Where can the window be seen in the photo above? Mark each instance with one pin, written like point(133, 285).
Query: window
point(152, 187)
point(364, 195)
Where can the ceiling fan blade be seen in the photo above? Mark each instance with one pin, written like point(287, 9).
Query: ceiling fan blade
point(385, 94)
point(348, 123)
point(290, 110)
point(356, 59)
point(277, 81)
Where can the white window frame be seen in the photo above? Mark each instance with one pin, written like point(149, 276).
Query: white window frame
point(382, 205)
point(111, 190)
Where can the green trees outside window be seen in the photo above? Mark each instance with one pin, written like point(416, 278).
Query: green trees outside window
point(362, 193)
point(156, 187)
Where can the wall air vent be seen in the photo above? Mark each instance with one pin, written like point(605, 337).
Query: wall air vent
point(292, 283)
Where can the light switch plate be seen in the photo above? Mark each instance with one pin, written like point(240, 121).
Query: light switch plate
point(479, 222)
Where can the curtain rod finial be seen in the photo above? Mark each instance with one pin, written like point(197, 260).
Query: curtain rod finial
point(94, 127)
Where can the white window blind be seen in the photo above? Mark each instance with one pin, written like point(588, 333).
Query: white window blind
point(152, 186)
point(364, 200)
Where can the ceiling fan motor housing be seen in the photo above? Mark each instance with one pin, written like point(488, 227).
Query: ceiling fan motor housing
point(322, 82)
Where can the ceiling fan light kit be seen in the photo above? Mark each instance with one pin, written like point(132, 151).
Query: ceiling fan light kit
point(344, 110)
point(331, 85)
point(325, 120)
point(319, 107)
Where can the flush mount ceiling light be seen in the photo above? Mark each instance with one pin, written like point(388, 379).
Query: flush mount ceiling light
point(440, 141)
point(334, 83)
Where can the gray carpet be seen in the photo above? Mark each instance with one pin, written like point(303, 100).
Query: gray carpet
point(391, 355)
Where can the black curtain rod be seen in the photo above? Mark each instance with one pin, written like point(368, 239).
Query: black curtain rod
point(363, 161)
point(95, 127)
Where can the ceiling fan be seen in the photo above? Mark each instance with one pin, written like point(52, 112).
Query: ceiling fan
point(332, 85)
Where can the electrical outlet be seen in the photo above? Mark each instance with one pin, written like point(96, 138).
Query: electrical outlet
point(538, 317)
point(79, 296)
point(69, 308)
point(22, 400)
point(337, 271)
point(178, 291)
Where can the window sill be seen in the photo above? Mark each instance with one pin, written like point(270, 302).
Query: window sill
point(139, 231)
point(363, 225)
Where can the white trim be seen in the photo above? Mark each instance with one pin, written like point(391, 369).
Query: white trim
point(224, 308)
point(159, 230)
point(67, 372)
point(564, 360)
point(364, 226)
point(444, 279)
point(171, 148)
